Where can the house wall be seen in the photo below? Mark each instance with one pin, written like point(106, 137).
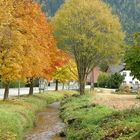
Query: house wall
point(93, 76)
point(129, 78)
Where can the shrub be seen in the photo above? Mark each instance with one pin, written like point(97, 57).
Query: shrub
point(110, 81)
point(115, 80)
point(15, 84)
point(103, 80)
point(35, 82)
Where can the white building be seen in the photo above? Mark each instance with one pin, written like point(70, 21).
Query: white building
point(128, 77)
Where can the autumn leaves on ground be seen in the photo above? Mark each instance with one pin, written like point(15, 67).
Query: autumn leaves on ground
point(82, 35)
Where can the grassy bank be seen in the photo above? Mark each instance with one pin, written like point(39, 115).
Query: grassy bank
point(18, 115)
point(87, 121)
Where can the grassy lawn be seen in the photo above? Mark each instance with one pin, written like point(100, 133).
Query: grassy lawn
point(89, 121)
point(18, 115)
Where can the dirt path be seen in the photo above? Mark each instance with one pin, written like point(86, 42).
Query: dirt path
point(106, 97)
point(48, 124)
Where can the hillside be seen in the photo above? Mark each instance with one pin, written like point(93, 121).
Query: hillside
point(127, 10)
point(49, 7)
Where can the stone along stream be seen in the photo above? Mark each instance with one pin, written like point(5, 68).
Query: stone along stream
point(48, 124)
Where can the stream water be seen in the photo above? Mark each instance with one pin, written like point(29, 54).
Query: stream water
point(48, 124)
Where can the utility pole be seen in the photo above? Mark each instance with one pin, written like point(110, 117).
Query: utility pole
point(18, 88)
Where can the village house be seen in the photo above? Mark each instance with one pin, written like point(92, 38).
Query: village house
point(128, 77)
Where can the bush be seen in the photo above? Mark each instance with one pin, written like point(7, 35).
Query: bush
point(14, 84)
point(110, 81)
point(35, 82)
point(115, 80)
point(103, 80)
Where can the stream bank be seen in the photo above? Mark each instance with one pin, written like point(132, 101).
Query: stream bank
point(48, 125)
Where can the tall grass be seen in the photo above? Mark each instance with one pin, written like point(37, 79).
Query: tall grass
point(18, 115)
point(88, 121)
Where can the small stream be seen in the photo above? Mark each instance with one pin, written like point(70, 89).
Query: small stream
point(48, 124)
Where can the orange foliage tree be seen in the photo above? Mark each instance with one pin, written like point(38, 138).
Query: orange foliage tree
point(40, 43)
point(27, 47)
point(11, 46)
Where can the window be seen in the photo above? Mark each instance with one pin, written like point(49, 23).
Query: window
point(136, 82)
point(124, 73)
point(131, 82)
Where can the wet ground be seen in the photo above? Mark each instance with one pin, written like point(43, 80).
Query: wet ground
point(48, 124)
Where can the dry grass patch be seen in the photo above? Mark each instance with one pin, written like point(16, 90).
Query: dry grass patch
point(116, 101)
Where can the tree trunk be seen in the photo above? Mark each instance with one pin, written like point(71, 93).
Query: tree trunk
point(56, 86)
point(49, 84)
point(31, 90)
point(6, 92)
point(82, 87)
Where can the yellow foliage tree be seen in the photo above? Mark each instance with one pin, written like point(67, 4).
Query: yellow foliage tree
point(90, 33)
point(66, 73)
point(11, 46)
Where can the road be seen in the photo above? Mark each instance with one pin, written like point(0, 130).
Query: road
point(23, 91)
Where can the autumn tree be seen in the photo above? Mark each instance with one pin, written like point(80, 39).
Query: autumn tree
point(27, 45)
point(66, 73)
point(39, 50)
point(90, 33)
point(11, 46)
point(132, 55)
point(58, 61)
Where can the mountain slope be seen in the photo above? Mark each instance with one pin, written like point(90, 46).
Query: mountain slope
point(49, 7)
point(127, 10)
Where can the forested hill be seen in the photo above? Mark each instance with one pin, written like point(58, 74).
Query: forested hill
point(49, 7)
point(127, 10)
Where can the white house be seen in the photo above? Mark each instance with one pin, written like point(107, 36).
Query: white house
point(128, 77)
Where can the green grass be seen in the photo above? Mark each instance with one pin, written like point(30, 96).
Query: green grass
point(18, 115)
point(86, 121)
